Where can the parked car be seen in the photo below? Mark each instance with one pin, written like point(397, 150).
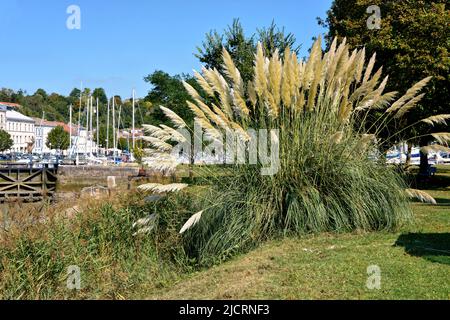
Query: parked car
point(444, 158)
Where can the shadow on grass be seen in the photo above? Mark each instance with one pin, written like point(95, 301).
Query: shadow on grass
point(437, 182)
point(442, 201)
point(434, 247)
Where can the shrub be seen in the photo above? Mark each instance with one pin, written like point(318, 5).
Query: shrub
point(331, 176)
point(34, 260)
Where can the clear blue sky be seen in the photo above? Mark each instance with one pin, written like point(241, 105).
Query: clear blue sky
point(122, 41)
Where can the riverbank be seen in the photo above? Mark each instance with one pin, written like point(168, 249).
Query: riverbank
point(98, 237)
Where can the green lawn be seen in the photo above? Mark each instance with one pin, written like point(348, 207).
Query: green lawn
point(414, 263)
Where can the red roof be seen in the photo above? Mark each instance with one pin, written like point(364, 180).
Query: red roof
point(57, 123)
point(10, 104)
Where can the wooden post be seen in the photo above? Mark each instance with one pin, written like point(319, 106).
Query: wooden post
point(111, 184)
point(44, 180)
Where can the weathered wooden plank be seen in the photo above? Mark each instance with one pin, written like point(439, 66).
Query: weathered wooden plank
point(26, 183)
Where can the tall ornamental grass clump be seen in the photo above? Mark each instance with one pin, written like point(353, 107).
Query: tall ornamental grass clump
point(330, 175)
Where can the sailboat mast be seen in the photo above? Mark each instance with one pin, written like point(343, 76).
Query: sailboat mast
point(87, 125)
point(114, 127)
point(42, 133)
point(96, 112)
point(91, 134)
point(132, 128)
point(107, 130)
point(118, 127)
point(70, 128)
point(79, 122)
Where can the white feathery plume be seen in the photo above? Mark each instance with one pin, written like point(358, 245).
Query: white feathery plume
point(441, 137)
point(369, 68)
point(192, 92)
point(196, 110)
point(243, 135)
point(232, 72)
point(260, 84)
point(240, 105)
point(337, 137)
point(193, 220)
point(174, 134)
point(409, 105)
point(360, 64)
point(145, 230)
point(157, 143)
point(145, 221)
point(165, 166)
point(204, 84)
point(411, 93)
point(439, 119)
point(176, 119)
point(212, 133)
point(421, 195)
point(162, 188)
point(218, 117)
point(150, 129)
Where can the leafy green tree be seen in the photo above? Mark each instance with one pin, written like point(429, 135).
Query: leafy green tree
point(273, 38)
point(411, 44)
point(101, 95)
point(58, 105)
point(41, 92)
point(118, 100)
point(58, 139)
point(9, 95)
point(139, 154)
point(74, 96)
point(102, 136)
point(5, 141)
point(122, 144)
point(242, 48)
point(169, 92)
point(6, 95)
point(75, 93)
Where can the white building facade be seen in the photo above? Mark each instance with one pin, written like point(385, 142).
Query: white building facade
point(2, 117)
point(42, 129)
point(20, 128)
point(83, 143)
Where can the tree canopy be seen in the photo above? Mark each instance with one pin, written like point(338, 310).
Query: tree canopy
point(242, 48)
point(169, 92)
point(412, 43)
point(58, 139)
point(100, 94)
point(5, 141)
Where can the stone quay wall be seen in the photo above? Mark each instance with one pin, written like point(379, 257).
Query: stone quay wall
point(95, 172)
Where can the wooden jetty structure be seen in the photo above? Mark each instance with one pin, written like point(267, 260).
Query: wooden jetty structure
point(19, 182)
